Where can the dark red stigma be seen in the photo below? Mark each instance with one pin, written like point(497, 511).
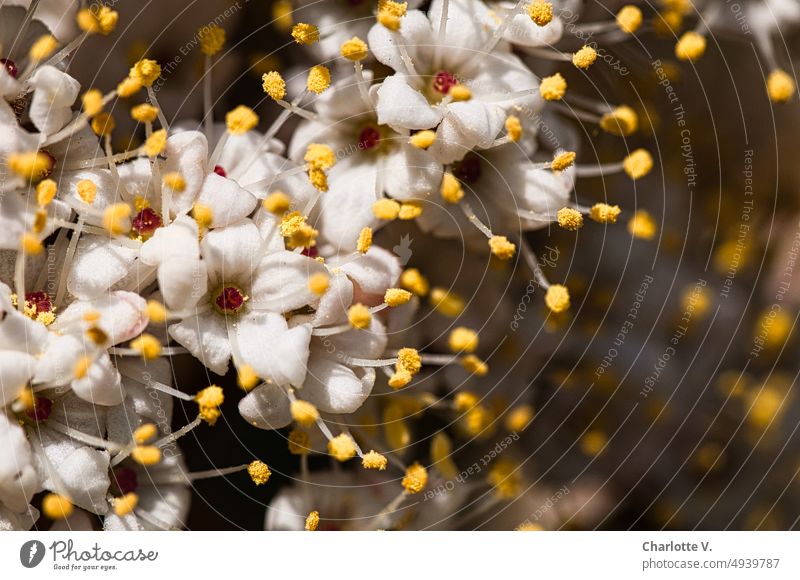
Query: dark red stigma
point(468, 169)
point(125, 480)
point(311, 252)
point(230, 299)
point(220, 171)
point(444, 81)
point(42, 407)
point(146, 222)
point(11, 66)
point(40, 301)
point(368, 138)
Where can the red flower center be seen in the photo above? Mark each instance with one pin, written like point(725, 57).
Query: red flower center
point(125, 480)
point(220, 171)
point(468, 169)
point(42, 407)
point(444, 81)
point(368, 138)
point(11, 66)
point(311, 252)
point(40, 301)
point(146, 222)
point(230, 299)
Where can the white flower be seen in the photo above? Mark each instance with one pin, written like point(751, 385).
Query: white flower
point(18, 478)
point(54, 92)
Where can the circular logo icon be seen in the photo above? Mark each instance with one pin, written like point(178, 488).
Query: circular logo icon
point(31, 553)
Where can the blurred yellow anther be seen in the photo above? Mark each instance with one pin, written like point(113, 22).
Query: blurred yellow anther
point(593, 442)
point(116, 219)
point(519, 418)
point(569, 219)
point(374, 460)
point(464, 401)
point(128, 87)
point(462, 339)
point(638, 164)
point(400, 379)
point(212, 39)
point(46, 192)
point(103, 124)
point(155, 143)
point(423, 139)
point(155, 311)
point(148, 346)
point(246, 378)
point(396, 297)
point(413, 281)
point(410, 210)
point(31, 165)
point(318, 283)
point(312, 521)
point(441, 455)
point(557, 298)
point(97, 20)
point(390, 13)
point(299, 442)
point(146, 71)
point(447, 303)
point(386, 209)
point(501, 248)
point(364, 241)
point(319, 79)
point(126, 504)
point(56, 507)
point(282, 14)
point(553, 88)
point(174, 181)
point(43, 47)
point(305, 33)
point(359, 316)
point(514, 128)
point(258, 472)
point(277, 202)
point(342, 447)
point(460, 92)
point(31, 245)
point(203, 215)
point(642, 225)
point(241, 120)
point(92, 102)
point(274, 85)
point(629, 19)
point(144, 113)
point(450, 189)
point(146, 454)
point(39, 221)
point(622, 121)
point(780, 86)
point(563, 161)
point(691, 46)
point(145, 433)
point(604, 213)
point(91, 316)
point(504, 477)
point(354, 49)
point(585, 57)
point(541, 12)
point(319, 156)
point(472, 364)
point(97, 335)
point(415, 479)
point(304, 413)
point(209, 401)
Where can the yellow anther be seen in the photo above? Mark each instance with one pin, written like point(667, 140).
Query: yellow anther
point(342, 447)
point(297, 232)
point(354, 49)
point(26, 398)
point(212, 39)
point(629, 19)
point(31, 165)
point(146, 71)
point(39, 221)
point(541, 12)
point(450, 189)
point(780, 86)
point(97, 335)
point(274, 85)
point(386, 209)
point(441, 455)
point(318, 179)
point(43, 47)
point(126, 504)
point(472, 364)
point(319, 283)
point(92, 101)
point(460, 92)
point(374, 460)
point(642, 225)
point(668, 23)
point(519, 418)
point(447, 303)
point(148, 346)
point(464, 401)
point(128, 87)
point(504, 477)
point(585, 57)
point(87, 190)
point(514, 128)
point(319, 156)
point(277, 202)
point(691, 46)
point(410, 210)
point(146, 454)
point(56, 507)
point(415, 479)
point(304, 413)
point(103, 124)
point(91, 316)
point(396, 297)
point(144, 113)
point(203, 215)
point(529, 527)
point(258, 472)
point(116, 219)
point(423, 139)
point(145, 433)
point(413, 281)
point(553, 88)
point(364, 241)
point(501, 248)
point(155, 144)
point(408, 360)
point(593, 442)
point(319, 79)
point(462, 339)
point(299, 442)
point(46, 192)
point(569, 219)
point(622, 121)
point(359, 316)
point(390, 13)
point(305, 33)
point(312, 521)
point(241, 120)
point(155, 311)
point(174, 181)
point(282, 14)
point(209, 401)
point(604, 213)
point(97, 20)
point(563, 161)
point(638, 164)
point(557, 298)
point(31, 245)
point(400, 379)
point(246, 378)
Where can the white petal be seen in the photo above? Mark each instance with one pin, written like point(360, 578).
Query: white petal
point(206, 337)
point(374, 272)
point(266, 407)
point(183, 282)
point(18, 478)
point(178, 240)
point(58, 361)
point(232, 253)
point(334, 303)
point(333, 387)
point(368, 343)
point(187, 154)
point(122, 315)
point(411, 172)
point(400, 105)
point(16, 369)
point(276, 352)
point(99, 263)
point(102, 385)
point(18, 332)
point(281, 282)
point(53, 95)
point(229, 203)
point(415, 30)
